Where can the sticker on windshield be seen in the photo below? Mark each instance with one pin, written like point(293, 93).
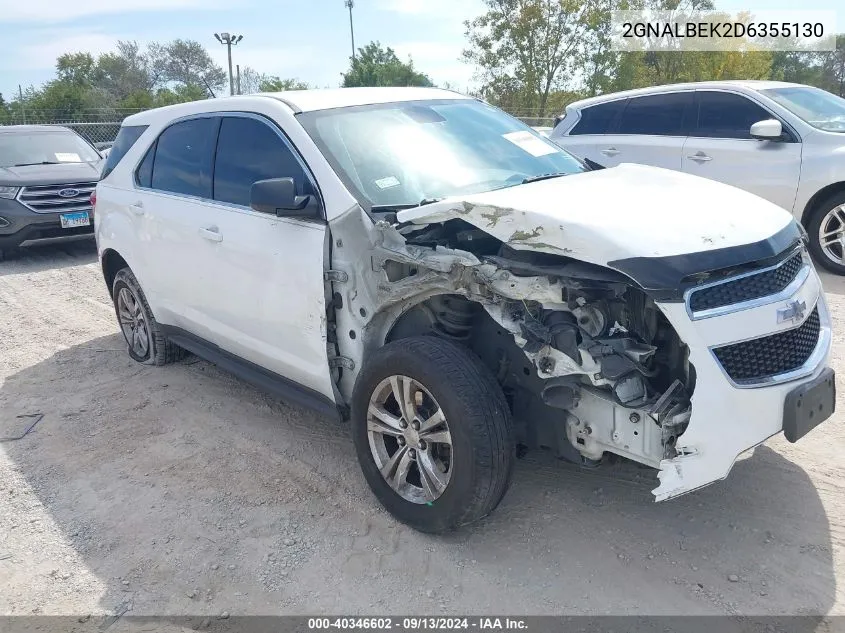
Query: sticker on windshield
point(387, 183)
point(527, 142)
point(67, 157)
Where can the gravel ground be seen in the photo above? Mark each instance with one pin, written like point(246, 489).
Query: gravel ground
point(181, 490)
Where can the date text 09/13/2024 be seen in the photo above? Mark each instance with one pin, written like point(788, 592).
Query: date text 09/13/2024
point(417, 623)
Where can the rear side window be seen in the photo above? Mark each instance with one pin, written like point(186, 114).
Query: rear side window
point(726, 115)
point(598, 119)
point(144, 173)
point(248, 150)
point(183, 157)
point(656, 115)
point(126, 137)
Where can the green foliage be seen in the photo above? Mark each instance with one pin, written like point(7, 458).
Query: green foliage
point(377, 66)
point(126, 79)
point(277, 84)
point(526, 49)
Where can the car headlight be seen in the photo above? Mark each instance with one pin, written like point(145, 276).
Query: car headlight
point(8, 192)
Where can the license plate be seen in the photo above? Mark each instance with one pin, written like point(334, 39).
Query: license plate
point(72, 220)
point(809, 405)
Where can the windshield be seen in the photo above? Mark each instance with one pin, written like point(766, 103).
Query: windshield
point(40, 148)
point(402, 154)
point(817, 107)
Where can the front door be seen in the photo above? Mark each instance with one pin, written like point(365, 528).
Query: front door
point(721, 148)
point(267, 298)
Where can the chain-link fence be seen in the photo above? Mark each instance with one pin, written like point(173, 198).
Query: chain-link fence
point(100, 127)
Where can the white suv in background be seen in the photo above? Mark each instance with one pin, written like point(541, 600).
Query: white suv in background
point(784, 142)
point(455, 284)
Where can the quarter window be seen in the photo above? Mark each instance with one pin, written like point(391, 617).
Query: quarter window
point(656, 115)
point(144, 174)
point(598, 119)
point(183, 157)
point(248, 150)
point(126, 138)
point(726, 115)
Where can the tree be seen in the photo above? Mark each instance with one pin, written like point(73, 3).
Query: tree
point(524, 49)
point(179, 94)
point(277, 84)
point(185, 63)
point(833, 68)
point(125, 72)
point(377, 66)
point(76, 68)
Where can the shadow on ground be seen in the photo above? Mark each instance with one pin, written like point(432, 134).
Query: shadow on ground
point(38, 258)
point(180, 490)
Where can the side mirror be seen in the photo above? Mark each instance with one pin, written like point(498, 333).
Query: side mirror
point(278, 196)
point(768, 130)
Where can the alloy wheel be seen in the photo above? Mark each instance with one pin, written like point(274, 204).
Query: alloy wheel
point(832, 235)
point(410, 440)
point(133, 323)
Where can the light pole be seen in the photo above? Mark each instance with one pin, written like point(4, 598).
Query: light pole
point(230, 40)
point(350, 4)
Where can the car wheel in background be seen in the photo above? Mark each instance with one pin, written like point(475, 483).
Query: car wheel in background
point(433, 433)
point(826, 229)
point(147, 344)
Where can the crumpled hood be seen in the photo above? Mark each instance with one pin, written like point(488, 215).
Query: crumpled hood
point(629, 211)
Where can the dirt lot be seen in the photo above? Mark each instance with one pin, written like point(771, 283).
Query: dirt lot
point(182, 490)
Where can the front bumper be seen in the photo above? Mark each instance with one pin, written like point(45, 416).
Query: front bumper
point(729, 419)
point(21, 227)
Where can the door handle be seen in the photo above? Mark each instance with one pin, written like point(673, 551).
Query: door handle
point(610, 151)
point(212, 234)
point(700, 157)
point(137, 208)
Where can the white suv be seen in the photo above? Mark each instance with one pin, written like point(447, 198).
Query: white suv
point(784, 142)
point(456, 285)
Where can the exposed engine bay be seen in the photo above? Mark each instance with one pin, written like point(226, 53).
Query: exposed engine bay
point(587, 361)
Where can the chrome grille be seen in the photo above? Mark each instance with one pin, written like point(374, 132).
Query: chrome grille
point(47, 199)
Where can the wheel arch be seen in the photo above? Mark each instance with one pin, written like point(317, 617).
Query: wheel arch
point(820, 196)
point(111, 262)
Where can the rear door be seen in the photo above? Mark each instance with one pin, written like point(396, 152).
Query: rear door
point(651, 130)
point(171, 209)
point(720, 147)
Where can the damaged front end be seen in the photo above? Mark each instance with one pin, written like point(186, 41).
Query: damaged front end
point(588, 362)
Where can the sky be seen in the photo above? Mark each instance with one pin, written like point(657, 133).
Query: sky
point(308, 39)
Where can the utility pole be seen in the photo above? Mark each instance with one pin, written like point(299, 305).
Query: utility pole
point(230, 40)
point(23, 111)
point(350, 4)
point(238, 67)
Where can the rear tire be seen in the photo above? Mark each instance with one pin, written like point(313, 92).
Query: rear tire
point(147, 343)
point(472, 449)
point(828, 216)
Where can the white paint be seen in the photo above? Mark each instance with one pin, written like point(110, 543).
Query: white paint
point(788, 174)
point(258, 291)
point(611, 214)
point(727, 421)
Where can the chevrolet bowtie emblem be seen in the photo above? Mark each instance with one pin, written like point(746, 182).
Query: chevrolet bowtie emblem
point(794, 311)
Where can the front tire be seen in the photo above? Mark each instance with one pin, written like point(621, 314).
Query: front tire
point(826, 229)
point(147, 343)
point(433, 433)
